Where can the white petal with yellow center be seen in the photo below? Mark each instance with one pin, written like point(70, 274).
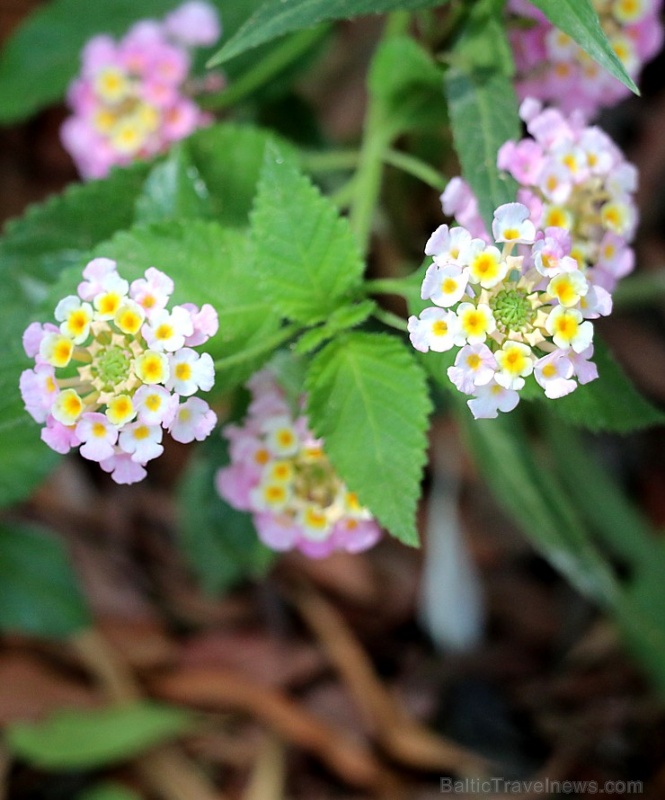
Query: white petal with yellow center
point(280, 472)
point(515, 362)
point(56, 349)
point(75, 318)
point(151, 367)
point(568, 329)
point(512, 224)
point(476, 322)
point(568, 288)
point(487, 268)
point(271, 496)
point(121, 410)
point(67, 407)
point(315, 522)
point(281, 437)
point(628, 12)
point(111, 84)
point(129, 317)
point(557, 217)
point(128, 137)
point(616, 217)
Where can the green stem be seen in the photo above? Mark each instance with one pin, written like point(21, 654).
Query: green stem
point(269, 343)
point(390, 319)
point(329, 160)
point(396, 286)
point(376, 140)
point(265, 69)
point(397, 23)
point(414, 166)
point(367, 184)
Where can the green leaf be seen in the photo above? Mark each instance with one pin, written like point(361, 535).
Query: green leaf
point(368, 399)
point(39, 594)
point(173, 189)
point(276, 18)
point(408, 85)
point(306, 257)
point(564, 507)
point(616, 521)
point(483, 114)
point(24, 459)
point(44, 55)
point(61, 231)
point(214, 172)
point(610, 403)
point(71, 740)
point(220, 542)
point(341, 319)
point(629, 537)
point(482, 43)
point(579, 20)
point(229, 158)
point(640, 620)
point(535, 499)
point(209, 264)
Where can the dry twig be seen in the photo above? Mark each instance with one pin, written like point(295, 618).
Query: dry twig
point(225, 690)
point(405, 739)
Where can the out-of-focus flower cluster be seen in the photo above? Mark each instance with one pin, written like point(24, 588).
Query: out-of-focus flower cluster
point(553, 68)
point(279, 472)
point(512, 314)
point(131, 99)
point(571, 176)
point(110, 376)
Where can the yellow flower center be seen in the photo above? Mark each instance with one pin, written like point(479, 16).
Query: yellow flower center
point(183, 371)
point(98, 430)
point(153, 402)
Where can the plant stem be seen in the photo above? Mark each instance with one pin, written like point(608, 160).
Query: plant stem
point(416, 167)
point(396, 286)
point(390, 319)
point(265, 69)
point(367, 183)
point(329, 160)
point(269, 343)
point(376, 140)
point(397, 23)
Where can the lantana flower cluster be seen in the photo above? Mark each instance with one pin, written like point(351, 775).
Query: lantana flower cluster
point(511, 314)
point(280, 473)
point(131, 99)
point(571, 176)
point(555, 69)
point(118, 369)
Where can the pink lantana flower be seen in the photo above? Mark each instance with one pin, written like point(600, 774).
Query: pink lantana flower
point(109, 380)
point(131, 99)
point(279, 473)
point(526, 309)
point(579, 191)
point(552, 67)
